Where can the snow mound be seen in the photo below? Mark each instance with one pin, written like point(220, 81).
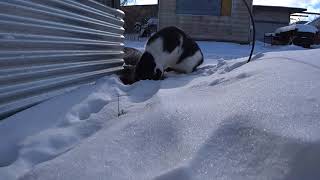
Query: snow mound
point(315, 22)
point(59, 125)
point(298, 27)
point(227, 120)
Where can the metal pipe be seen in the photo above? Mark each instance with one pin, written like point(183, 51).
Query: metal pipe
point(254, 30)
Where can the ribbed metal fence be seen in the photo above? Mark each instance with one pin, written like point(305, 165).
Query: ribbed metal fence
point(50, 46)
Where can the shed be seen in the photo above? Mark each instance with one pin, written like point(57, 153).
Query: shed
point(222, 20)
point(269, 18)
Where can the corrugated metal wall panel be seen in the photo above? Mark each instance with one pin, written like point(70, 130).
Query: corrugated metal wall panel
point(48, 47)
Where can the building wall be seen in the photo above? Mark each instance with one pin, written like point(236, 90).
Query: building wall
point(272, 16)
point(268, 21)
point(222, 28)
point(262, 28)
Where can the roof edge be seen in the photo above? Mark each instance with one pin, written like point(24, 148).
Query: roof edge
point(290, 9)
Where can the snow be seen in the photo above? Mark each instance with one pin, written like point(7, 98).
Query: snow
point(315, 22)
point(228, 120)
point(299, 27)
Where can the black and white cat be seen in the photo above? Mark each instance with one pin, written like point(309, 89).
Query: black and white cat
point(168, 49)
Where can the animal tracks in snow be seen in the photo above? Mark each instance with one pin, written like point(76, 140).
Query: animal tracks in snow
point(92, 106)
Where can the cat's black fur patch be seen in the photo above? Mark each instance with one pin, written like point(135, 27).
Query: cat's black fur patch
point(145, 68)
point(171, 38)
point(189, 46)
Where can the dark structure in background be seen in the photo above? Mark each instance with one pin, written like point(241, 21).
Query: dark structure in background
point(138, 13)
point(111, 3)
point(270, 18)
point(316, 23)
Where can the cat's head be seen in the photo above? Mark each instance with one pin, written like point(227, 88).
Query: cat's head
point(147, 68)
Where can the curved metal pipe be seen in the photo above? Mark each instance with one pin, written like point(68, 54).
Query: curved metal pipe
point(254, 30)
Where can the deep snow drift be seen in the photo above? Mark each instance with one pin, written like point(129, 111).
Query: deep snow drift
point(228, 120)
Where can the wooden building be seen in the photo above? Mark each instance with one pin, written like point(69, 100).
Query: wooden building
point(221, 20)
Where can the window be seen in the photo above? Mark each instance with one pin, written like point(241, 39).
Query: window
point(204, 7)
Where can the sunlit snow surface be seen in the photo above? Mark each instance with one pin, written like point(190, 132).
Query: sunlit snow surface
point(299, 27)
point(228, 120)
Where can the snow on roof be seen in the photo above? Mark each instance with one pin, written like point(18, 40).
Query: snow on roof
point(315, 22)
point(298, 27)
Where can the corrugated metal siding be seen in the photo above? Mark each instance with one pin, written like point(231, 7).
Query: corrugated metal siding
point(110, 3)
point(50, 46)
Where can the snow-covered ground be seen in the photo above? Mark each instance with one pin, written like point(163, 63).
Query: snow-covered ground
point(215, 51)
point(228, 120)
